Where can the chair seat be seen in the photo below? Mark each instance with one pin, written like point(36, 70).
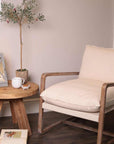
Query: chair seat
point(78, 94)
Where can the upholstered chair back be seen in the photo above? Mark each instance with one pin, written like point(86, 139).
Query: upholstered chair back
point(98, 64)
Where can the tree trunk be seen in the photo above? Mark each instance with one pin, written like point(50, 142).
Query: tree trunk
point(21, 45)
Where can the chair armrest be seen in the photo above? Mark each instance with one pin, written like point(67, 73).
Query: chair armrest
point(106, 85)
point(45, 75)
point(104, 90)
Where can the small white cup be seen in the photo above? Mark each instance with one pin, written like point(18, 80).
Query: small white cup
point(17, 82)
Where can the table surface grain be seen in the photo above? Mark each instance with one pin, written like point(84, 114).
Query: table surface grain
point(15, 93)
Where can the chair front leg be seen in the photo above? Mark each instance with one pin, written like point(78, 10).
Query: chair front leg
point(100, 127)
point(102, 111)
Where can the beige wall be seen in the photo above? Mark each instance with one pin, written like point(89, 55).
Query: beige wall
point(58, 43)
point(113, 19)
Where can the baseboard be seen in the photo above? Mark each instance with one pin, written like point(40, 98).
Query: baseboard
point(26, 100)
point(31, 106)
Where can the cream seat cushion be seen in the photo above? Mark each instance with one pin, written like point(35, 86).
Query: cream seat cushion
point(78, 94)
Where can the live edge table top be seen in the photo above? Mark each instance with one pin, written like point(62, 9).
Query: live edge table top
point(12, 93)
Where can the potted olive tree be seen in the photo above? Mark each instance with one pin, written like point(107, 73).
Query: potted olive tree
point(25, 13)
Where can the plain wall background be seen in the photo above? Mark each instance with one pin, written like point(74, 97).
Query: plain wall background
point(113, 19)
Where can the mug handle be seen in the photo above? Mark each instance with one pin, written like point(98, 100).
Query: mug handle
point(23, 80)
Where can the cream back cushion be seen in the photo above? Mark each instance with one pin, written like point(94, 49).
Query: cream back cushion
point(98, 64)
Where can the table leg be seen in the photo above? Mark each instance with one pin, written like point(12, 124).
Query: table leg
point(1, 103)
point(21, 116)
point(14, 119)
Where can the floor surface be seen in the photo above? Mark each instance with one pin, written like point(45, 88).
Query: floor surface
point(62, 134)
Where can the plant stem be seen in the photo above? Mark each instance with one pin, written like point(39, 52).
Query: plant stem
point(21, 44)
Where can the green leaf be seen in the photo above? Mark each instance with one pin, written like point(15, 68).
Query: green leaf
point(26, 13)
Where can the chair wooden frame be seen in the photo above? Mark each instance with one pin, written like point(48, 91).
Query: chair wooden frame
point(101, 112)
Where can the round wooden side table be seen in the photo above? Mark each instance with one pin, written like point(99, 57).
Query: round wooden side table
point(15, 98)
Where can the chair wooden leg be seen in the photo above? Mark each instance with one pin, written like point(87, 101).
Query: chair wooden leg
point(100, 132)
point(40, 118)
point(101, 114)
point(101, 120)
point(1, 103)
point(100, 129)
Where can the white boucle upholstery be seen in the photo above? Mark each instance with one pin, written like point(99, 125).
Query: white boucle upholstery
point(85, 115)
point(98, 64)
point(77, 94)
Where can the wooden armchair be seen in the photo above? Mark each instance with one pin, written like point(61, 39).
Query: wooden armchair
point(88, 97)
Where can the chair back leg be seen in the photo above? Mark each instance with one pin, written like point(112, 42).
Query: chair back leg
point(40, 117)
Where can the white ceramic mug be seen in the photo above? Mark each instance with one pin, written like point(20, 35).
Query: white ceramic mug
point(17, 82)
